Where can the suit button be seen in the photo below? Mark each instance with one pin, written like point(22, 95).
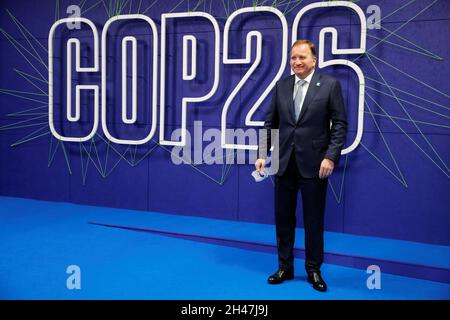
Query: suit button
point(292, 144)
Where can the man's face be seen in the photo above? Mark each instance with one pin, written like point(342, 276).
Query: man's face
point(302, 60)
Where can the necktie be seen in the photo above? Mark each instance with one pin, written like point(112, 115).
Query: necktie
point(298, 98)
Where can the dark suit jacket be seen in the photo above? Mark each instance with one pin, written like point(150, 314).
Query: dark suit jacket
point(311, 137)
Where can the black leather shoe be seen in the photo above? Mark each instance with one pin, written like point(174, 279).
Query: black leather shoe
point(316, 280)
point(280, 276)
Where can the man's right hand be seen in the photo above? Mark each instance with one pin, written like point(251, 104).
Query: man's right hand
point(260, 164)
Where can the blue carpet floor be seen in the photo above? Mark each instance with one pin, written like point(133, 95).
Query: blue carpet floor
point(39, 240)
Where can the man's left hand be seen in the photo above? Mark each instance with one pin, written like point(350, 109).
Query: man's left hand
point(326, 168)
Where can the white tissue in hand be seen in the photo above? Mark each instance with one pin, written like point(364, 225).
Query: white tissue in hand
point(260, 176)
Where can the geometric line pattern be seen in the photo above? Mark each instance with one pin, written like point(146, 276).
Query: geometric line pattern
point(32, 115)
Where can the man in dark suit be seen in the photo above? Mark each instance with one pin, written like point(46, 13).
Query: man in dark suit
point(302, 107)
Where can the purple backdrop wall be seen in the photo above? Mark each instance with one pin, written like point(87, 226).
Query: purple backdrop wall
point(394, 185)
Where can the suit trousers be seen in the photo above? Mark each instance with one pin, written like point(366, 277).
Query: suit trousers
point(313, 192)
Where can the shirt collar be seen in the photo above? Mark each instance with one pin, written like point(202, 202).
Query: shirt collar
point(307, 79)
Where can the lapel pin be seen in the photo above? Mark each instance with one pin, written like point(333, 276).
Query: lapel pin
point(318, 84)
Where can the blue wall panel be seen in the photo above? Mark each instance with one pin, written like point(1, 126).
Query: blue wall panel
point(393, 185)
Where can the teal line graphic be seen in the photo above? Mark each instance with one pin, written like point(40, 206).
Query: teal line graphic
point(404, 132)
point(22, 31)
point(16, 94)
point(394, 33)
point(337, 197)
point(32, 136)
point(446, 171)
point(25, 112)
point(149, 7)
point(52, 150)
point(26, 75)
point(397, 10)
point(82, 3)
point(401, 179)
point(404, 119)
point(57, 10)
point(433, 56)
point(23, 75)
point(409, 102)
point(407, 93)
point(32, 115)
point(83, 12)
point(18, 47)
point(404, 24)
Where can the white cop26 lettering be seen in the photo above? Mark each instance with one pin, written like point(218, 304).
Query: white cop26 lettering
point(189, 41)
